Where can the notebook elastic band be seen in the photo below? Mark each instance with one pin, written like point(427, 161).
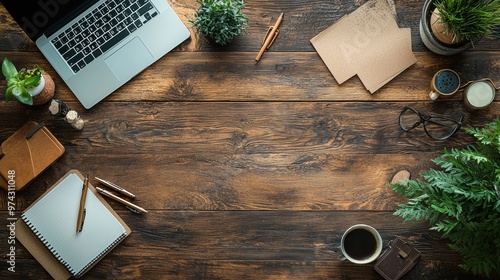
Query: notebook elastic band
point(34, 130)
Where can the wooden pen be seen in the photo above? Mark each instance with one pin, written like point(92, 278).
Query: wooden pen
point(115, 187)
point(81, 210)
point(121, 200)
point(270, 36)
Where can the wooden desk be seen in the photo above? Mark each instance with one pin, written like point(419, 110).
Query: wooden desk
point(251, 170)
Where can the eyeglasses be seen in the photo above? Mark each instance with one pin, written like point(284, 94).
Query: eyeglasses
point(439, 127)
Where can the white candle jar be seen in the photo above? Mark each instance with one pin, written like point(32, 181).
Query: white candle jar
point(478, 95)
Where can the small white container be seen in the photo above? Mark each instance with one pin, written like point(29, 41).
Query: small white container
point(34, 91)
point(479, 95)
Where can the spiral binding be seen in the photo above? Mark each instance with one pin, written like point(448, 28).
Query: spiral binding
point(81, 272)
point(44, 241)
point(60, 259)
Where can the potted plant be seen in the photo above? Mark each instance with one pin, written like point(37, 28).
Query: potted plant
point(31, 86)
point(451, 26)
point(220, 20)
point(461, 199)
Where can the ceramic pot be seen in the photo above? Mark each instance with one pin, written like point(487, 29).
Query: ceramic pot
point(44, 92)
point(431, 41)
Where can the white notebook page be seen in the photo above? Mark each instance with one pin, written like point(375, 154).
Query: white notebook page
point(53, 219)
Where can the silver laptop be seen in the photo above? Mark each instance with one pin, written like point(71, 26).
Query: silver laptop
point(98, 45)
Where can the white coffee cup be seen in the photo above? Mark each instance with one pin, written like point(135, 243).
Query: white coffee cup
point(479, 94)
point(360, 244)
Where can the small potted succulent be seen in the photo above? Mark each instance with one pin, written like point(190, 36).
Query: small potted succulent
point(220, 20)
point(31, 86)
point(451, 26)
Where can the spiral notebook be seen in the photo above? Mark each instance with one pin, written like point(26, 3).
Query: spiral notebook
point(53, 220)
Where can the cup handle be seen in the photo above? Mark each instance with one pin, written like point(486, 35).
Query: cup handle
point(341, 257)
point(433, 95)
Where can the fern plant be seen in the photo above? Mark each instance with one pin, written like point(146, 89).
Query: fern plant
point(220, 20)
point(461, 199)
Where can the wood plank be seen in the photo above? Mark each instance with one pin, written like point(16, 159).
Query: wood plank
point(150, 268)
point(280, 76)
point(303, 20)
point(256, 245)
point(236, 156)
point(273, 182)
point(247, 127)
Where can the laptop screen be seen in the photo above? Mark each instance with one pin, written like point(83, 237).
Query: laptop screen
point(38, 16)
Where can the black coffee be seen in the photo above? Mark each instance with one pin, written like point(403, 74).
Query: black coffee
point(446, 82)
point(360, 244)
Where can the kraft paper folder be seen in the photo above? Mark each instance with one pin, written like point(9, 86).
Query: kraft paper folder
point(49, 260)
point(28, 152)
point(367, 43)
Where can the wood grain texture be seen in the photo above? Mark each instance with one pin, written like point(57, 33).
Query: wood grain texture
point(303, 20)
point(251, 170)
point(255, 245)
point(287, 76)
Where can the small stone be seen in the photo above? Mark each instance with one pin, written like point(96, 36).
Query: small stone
point(72, 116)
point(78, 124)
point(54, 107)
point(403, 175)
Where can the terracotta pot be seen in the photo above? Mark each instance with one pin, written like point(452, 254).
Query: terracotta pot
point(430, 38)
point(47, 93)
point(439, 30)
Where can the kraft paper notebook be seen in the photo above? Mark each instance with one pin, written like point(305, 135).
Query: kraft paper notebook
point(28, 152)
point(48, 228)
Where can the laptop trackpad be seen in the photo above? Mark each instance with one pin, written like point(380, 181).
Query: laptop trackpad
point(129, 59)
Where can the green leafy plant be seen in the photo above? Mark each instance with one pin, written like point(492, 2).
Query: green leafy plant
point(462, 199)
point(18, 82)
point(220, 20)
point(469, 19)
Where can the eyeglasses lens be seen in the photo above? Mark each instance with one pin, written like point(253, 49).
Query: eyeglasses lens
point(440, 128)
point(409, 119)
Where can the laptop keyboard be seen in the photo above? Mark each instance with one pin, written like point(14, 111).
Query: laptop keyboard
point(101, 29)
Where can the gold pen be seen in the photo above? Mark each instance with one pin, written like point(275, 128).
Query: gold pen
point(81, 210)
point(115, 187)
point(121, 200)
point(271, 35)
